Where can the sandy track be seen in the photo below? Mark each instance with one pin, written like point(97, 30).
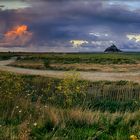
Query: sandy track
point(92, 76)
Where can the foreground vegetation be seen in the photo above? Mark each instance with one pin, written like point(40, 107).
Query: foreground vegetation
point(40, 108)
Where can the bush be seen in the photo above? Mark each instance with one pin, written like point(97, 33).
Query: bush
point(47, 63)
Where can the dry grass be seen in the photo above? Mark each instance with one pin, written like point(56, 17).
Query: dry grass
point(39, 64)
point(24, 119)
point(90, 117)
point(99, 67)
point(62, 118)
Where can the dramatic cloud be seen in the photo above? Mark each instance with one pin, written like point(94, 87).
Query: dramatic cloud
point(66, 25)
point(18, 36)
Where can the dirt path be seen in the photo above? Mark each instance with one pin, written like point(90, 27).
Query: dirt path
point(92, 76)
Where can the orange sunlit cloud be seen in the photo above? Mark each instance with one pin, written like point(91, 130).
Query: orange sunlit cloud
point(18, 36)
point(19, 30)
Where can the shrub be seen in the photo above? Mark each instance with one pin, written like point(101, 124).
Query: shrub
point(71, 90)
point(47, 63)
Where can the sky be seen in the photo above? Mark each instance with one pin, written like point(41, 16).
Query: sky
point(69, 25)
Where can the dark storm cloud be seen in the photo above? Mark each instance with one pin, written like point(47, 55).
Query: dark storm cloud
point(55, 22)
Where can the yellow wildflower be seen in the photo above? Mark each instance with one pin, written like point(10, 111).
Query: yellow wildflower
point(59, 87)
point(133, 137)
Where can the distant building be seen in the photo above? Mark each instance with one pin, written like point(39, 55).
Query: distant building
point(112, 48)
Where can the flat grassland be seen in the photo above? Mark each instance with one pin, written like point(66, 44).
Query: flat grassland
point(122, 62)
point(43, 108)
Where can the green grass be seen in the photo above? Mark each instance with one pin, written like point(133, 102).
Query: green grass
point(104, 95)
point(97, 58)
point(54, 61)
point(34, 107)
point(123, 58)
